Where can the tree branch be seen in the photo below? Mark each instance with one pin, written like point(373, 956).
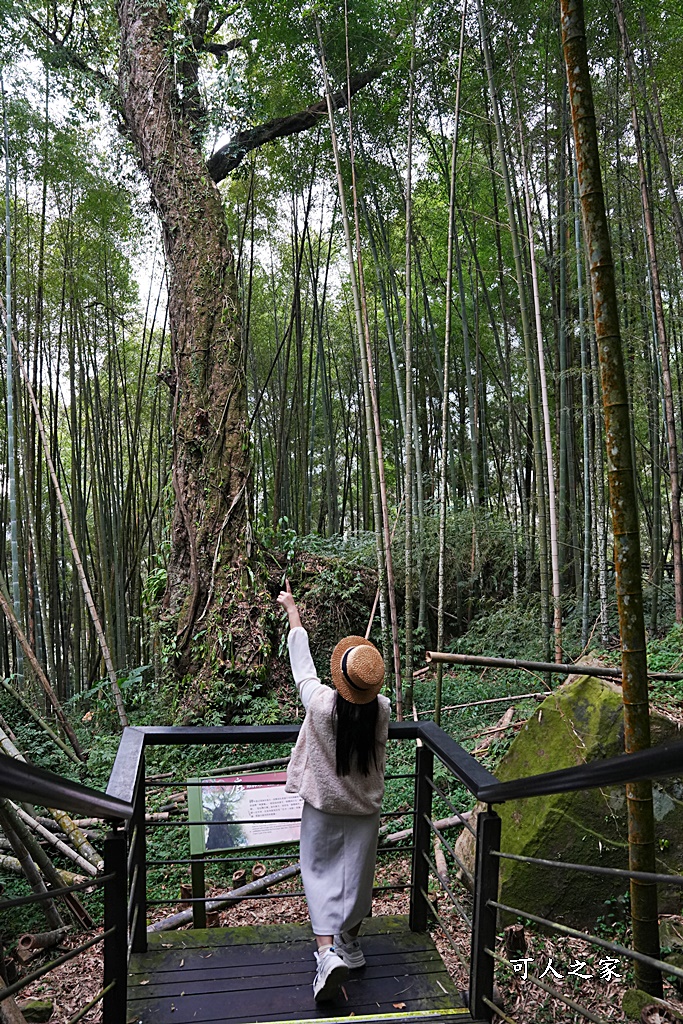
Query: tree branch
point(220, 49)
point(231, 155)
point(64, 55)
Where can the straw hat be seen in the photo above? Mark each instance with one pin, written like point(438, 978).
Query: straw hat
point(357, 669)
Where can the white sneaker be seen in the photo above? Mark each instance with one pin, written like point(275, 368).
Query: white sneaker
point(331, 974)
point(348, 949)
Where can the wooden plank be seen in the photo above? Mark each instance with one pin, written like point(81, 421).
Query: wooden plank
point(293, 996)
point(276, 961)
point(235, 979)
point(278, 934)
point(123, 780)
point(276, 1003)
point(454, 1015)
point(264, 974)
point(290, 942)
point(212, 956)
point(330, 1015)
point(377, 949)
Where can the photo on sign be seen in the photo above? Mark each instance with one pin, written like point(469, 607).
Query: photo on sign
point(242, 811)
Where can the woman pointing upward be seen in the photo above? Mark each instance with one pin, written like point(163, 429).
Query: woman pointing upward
point(337, 768)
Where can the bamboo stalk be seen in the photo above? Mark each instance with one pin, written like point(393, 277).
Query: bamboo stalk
point(123, 719)
point(14, 544)
point(443, 496)
point(440, 861)
point(623, 496)
point(41, 721)
point(409, 436)
point(51, 838)
point(37, 670)
point(226, 899)
point(77, 838)
point(66, 824)
point(13, 831)
point(660, 325)
point(373, 432)
point(545, 406)
point(524, 316)
point(13, 866)
point(33, 941)
point(579, 669)
point(387, 578)
point(453, 822)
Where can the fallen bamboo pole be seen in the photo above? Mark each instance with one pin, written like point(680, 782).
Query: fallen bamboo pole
point(226, 899)
point(37, 670)
point(17, 834)
point(489, 700)
point(55, 841)
point(440, 861)
point(13, 866)
point(61, 818)
point(29, 942)
point(541, 666)
point(236, 769)
point(453, 822)
point(77, 837)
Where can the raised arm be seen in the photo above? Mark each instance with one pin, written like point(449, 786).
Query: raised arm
point(303, 669)
point(286, 600)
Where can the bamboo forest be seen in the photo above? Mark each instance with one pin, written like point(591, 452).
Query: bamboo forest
point(380, 300)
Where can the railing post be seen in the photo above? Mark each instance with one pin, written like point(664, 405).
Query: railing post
point(115, 917)
point(138, 865)
point(198, 872)
point(484, 918)
point(424, 768)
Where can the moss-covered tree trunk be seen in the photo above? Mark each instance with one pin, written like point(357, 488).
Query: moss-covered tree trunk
point(210, 434)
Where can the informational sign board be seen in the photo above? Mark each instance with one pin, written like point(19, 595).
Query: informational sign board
point(241, 811)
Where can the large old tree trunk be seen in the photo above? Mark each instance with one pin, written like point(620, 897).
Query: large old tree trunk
point(210, 435)
point(214, 619)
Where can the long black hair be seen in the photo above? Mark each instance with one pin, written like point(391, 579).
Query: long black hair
point(356, 728)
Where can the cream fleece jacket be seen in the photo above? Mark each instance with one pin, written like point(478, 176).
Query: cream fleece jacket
point(312, 771)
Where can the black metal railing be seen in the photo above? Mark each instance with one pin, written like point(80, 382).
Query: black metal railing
point(431, 745)
point(487, 908)
point(658, 762)
point(440, 764)
point(128, 782)
point(26, 783)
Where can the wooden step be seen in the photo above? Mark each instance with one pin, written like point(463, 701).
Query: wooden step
point(264, 974)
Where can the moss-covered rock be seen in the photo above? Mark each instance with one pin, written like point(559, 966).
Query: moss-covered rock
point(633, 1002)
point(36, 1011)
point(581, 721)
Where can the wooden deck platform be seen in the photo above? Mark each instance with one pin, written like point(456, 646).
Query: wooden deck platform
point(264, 974)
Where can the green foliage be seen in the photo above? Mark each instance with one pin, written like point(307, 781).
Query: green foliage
point(504, 632)
point(155, 585)
point(17, 920)
point(666, 655)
